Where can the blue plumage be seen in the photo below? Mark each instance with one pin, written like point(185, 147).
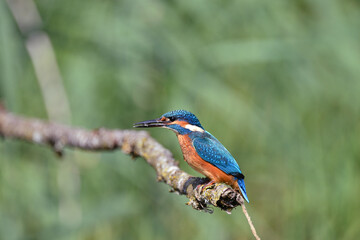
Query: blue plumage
point(184, 115)
point(212, 151)
point(177, 128)
point(243, 189)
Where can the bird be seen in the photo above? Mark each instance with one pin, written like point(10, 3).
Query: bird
point(201, 150)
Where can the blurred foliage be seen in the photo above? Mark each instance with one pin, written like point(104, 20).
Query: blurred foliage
point(276, 81)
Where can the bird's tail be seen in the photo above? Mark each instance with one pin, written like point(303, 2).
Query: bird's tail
point(241, 184)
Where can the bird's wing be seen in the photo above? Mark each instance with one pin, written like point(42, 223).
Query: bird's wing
point(212, 151)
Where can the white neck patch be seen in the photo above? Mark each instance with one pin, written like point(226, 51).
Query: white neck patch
point(194, 128)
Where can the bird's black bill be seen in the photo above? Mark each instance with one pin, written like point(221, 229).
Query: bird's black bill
point(150, 123)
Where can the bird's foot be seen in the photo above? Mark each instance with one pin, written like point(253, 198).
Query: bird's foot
point(202, 187)
point(209, 184)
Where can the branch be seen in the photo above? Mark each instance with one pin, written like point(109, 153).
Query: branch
point(134, 143)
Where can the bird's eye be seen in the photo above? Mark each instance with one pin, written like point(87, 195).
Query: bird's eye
point(171, 119)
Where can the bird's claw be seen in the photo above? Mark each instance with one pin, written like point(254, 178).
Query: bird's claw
point(201, 187)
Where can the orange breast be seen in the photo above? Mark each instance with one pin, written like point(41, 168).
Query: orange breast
point(200, 165)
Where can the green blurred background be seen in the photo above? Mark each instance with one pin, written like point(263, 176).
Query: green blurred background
point(277, 82)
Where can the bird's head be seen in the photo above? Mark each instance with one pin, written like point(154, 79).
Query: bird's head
point(180, 121)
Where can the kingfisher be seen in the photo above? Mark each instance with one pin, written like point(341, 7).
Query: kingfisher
point(201, 150)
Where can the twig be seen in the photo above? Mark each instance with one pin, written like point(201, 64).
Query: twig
point(134, 143)
point(252, 227)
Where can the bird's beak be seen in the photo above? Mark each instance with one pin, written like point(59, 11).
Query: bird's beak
point(151, 123)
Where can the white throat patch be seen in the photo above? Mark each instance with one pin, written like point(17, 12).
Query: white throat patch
point(194, 128)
